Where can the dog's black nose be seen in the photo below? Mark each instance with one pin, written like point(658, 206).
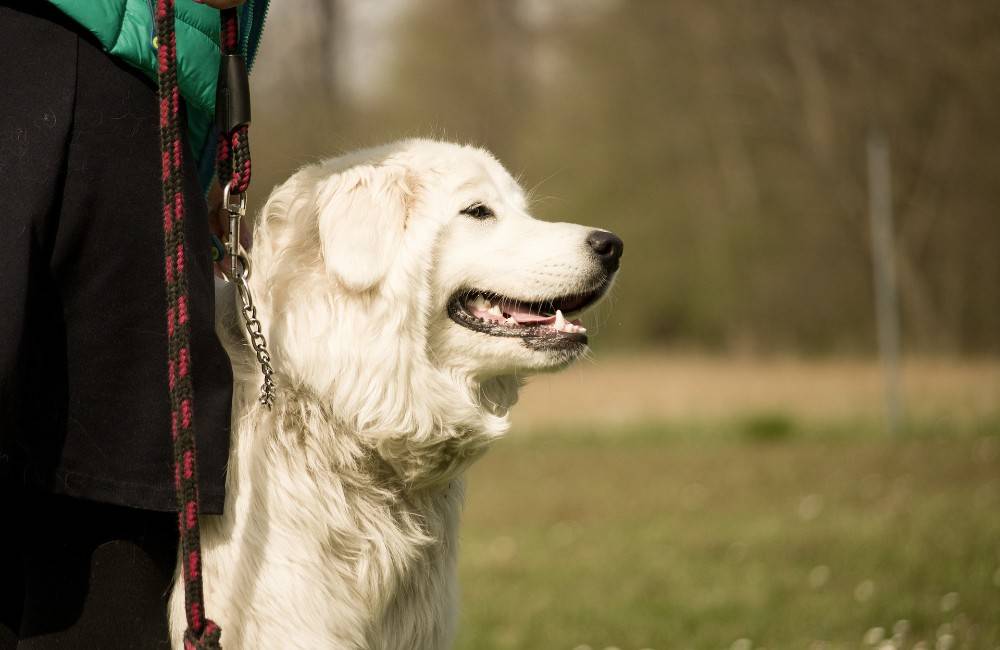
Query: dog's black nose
point(608, 248)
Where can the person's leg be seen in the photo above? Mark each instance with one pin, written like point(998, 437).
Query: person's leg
point(96, 575)
point(11, 574)
point(37, 87)
point(83, 364)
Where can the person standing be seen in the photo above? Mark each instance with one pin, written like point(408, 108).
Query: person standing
point(89, 539)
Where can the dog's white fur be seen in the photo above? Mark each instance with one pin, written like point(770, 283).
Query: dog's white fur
point(343, 502)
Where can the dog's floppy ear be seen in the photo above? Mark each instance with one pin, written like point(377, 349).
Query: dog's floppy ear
point(362, 214)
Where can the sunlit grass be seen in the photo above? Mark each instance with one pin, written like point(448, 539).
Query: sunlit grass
point(764, 531)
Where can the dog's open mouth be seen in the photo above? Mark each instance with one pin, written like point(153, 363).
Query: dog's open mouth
point(546, 321)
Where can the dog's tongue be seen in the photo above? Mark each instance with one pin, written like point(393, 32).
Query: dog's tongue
point(520, 314)
point(524, 315)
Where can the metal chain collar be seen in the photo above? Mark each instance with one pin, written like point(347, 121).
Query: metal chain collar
point(239, 273)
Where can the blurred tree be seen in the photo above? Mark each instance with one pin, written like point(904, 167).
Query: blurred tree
point(725, 142)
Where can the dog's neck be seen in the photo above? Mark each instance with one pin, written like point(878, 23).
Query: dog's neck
point(402, 426)
point(410, 444)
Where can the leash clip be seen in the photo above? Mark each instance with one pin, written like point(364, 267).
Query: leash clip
point(235, 204)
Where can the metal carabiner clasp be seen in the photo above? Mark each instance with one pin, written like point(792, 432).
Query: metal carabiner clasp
point(235, 204)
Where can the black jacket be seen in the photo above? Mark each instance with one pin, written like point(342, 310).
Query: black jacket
point(83, 397)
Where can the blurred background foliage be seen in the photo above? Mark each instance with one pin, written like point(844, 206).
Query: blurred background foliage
point(724, 141)
point(719, 474)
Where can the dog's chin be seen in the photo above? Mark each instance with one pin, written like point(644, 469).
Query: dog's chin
point(486, 357)
point(524, 333)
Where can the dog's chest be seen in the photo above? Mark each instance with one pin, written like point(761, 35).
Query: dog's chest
point(361, 571)
point(418, 594)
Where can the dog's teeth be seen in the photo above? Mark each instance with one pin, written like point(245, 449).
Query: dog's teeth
point(580, 329)
point(510, 321)
point(495, 310)
point(560, 323)
point(481, 303)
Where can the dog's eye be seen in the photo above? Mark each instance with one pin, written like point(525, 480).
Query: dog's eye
point(479, 211)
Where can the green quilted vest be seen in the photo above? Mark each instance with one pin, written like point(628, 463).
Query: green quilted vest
point(125, 29)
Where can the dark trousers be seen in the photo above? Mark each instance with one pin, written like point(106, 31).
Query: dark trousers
point(87, 539)
point(80, 575)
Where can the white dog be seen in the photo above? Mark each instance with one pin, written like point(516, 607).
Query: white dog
point(405, 292)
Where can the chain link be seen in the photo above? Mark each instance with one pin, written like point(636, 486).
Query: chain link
point(257, 340)
point(239, 273)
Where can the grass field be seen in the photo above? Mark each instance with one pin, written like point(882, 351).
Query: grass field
point(779, 524)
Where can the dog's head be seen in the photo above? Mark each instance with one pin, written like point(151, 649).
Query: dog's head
point(426, 246)
point(508, 288)
point(409, 290)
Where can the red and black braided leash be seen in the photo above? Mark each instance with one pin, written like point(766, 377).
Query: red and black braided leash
point(234, 167)
point(233, 156)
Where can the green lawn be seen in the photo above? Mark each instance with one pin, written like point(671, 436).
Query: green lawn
point(651, 539)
